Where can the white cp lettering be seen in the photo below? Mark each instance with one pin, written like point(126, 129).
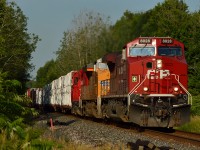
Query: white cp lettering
point(164, 73)
point(155, 74)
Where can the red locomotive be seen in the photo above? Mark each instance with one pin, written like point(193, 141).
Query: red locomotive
point(145, 84)
point(148, 84)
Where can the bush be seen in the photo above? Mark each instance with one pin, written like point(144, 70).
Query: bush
point(34, 133)
point(195, 110)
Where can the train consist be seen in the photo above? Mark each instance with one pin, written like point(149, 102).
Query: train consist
point(145, 84)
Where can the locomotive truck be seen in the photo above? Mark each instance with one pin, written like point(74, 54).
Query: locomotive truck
point(146, 84)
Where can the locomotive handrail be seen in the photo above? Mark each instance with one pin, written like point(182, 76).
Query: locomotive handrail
point(189, 95)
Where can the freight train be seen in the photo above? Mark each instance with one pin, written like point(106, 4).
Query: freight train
point(145, 84)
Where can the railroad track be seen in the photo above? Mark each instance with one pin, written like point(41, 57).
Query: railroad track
point(177, 135)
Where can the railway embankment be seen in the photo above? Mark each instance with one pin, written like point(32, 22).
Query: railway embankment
point(82, 133)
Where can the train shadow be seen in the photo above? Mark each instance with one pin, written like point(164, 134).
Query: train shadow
point(60, 123)
point(162, 129)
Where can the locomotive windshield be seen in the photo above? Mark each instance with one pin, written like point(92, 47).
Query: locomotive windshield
point(169, 51)
point(141, 51)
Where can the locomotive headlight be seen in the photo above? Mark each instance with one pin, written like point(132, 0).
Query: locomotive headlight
point(159, 63)
point(145, 89)
point(175, 89)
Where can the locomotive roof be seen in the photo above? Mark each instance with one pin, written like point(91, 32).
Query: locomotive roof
point(111, 57)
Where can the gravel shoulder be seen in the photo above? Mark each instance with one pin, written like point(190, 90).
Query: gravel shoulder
point(86, 132)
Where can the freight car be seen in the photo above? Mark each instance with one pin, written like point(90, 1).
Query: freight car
point(145, 84)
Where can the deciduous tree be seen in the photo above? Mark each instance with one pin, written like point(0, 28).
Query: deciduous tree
point(16, 45)
point(80, 45)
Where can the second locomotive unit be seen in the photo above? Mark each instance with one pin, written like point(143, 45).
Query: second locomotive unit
point(145, 84)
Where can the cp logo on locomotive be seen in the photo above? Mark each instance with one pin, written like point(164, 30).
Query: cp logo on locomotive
point(158, 74)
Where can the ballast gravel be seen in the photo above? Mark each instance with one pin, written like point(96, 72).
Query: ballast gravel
point(94, 134)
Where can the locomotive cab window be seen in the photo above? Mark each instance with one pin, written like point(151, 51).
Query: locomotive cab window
point(141, 51)
point(169, 51)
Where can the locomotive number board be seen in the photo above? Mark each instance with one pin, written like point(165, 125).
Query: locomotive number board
point(167, 41)
point(145, 41)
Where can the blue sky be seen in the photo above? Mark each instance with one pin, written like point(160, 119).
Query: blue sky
point(50, 18)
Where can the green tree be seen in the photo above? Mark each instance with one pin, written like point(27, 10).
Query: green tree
point(125, 29)
point(46, 74)
point(168, 19)
point(80, 45)
point(193, 52)
point(16, 45)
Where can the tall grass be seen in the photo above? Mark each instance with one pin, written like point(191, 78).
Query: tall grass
point(193, 126)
